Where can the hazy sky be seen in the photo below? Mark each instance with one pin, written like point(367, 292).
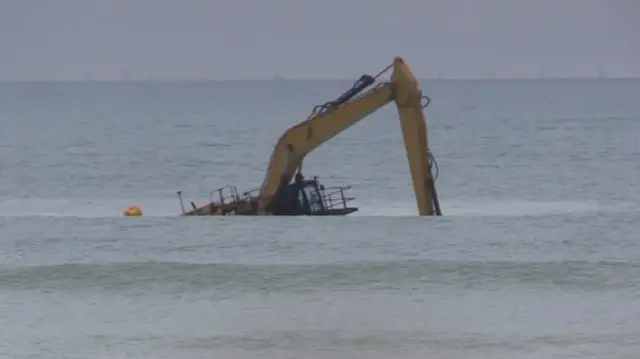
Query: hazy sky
point(65, 39)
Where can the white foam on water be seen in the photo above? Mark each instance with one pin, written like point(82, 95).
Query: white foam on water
point(104, 208)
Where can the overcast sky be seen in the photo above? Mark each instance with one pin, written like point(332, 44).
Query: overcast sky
point(74, 39)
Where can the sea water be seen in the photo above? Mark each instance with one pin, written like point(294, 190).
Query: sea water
point(537, 254)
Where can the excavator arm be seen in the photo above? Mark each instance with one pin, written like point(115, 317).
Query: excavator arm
point(336, 116)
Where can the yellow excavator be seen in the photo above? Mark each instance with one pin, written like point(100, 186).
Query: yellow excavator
point(285, 191)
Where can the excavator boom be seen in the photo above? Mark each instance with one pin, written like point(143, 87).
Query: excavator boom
point(301, 139)
point(298, 141)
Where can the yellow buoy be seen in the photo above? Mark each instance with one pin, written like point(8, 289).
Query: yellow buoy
point(133, 211)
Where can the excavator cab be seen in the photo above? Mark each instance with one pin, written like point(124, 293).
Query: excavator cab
point(309, 197)
point(302, 197)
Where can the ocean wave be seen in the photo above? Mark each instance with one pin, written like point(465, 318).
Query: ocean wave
point(381, 275)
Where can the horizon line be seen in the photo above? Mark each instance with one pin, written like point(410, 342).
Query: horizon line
point(301, 79)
